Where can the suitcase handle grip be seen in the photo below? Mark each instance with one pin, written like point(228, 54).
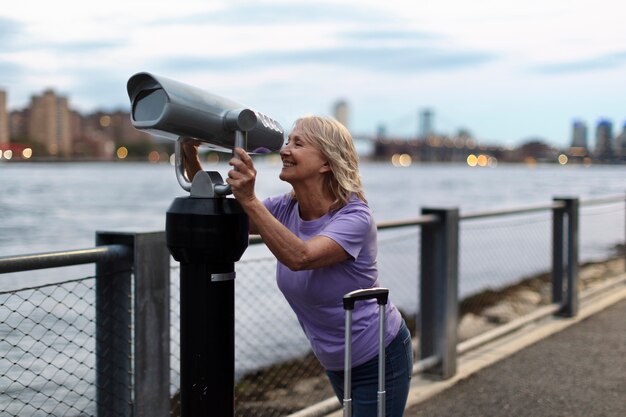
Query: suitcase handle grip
point(380, 294)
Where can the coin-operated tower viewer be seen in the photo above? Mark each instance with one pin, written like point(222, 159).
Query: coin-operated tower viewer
point(206, 231)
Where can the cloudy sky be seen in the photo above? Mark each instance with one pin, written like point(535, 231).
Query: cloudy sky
point(504, 70)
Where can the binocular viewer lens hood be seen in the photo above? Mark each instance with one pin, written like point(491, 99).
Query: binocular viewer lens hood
point(172, 109)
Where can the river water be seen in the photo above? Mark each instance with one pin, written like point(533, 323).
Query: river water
point(47, 207)
point(59, 206)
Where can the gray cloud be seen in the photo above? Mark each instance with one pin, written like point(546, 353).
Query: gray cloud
point(608, 61)
point(394, 60)
point(10, 41)
point(256, 13)
point(74, 47)
point(389, 35)
point(83, 46)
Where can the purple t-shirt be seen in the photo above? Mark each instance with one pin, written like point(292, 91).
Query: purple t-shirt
point(316, 295)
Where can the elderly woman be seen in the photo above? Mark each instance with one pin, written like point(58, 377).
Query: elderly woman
point(324, 238)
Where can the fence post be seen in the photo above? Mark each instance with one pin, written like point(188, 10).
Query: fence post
point(570, 305)
point(150, 376)
point(572, 210)
point(557, 253)
point(113, 331)
point(439, 289)
point(152, 326)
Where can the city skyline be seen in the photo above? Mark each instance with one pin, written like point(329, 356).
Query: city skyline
point(504, 73)
point(50, 128)
point(580, 134)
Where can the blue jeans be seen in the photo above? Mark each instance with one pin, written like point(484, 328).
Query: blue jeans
point(398, 369)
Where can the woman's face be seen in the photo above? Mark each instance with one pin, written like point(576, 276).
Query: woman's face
point(302, 161)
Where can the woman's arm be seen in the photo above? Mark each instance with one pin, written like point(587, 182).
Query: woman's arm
point(288, 248)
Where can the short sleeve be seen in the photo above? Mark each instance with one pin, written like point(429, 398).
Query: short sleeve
point(350, 227)
point(271, 204)
point(279, 205)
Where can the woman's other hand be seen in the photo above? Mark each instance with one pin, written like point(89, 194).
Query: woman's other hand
point(242, 177)
point(191, 161)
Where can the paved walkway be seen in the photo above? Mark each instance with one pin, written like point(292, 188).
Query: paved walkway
point(578, 372)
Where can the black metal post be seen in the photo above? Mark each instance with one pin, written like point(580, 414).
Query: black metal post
point(566, 239)
point(572, 300)
point(207, 235)
point(113, 332)
point(207, 345)
point(439, 289)
point(557, 253)
point(148, 376)
point(152, 326)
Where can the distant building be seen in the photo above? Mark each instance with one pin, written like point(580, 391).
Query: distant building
point(620, 145)
point(49, 123)
point(18, 120)
point(53, 129)
point(98, 134)
point(341, 112)
point(4, 119)
point(536, 150)
point(381, 132)
point(426, 123)
point(579, 134)
point(604, 140)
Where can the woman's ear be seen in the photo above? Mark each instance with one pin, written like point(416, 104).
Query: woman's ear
point(325, 168)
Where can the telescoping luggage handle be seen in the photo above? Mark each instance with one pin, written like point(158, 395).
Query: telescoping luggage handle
point(381, 295)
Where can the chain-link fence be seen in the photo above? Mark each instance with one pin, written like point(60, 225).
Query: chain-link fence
point(504, 270)
point(601, 231)
point(506, 266)
point(48, 349)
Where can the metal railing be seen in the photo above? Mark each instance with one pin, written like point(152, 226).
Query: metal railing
point(123, 324)
point(128, 316)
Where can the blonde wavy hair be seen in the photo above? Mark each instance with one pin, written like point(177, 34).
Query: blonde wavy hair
point(335, 142)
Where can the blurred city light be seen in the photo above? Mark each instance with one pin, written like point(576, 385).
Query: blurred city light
point(530, 161)
point(27, 153)
point(213, 158)
point(154, 157)
point(563, 159)
point(105, 121)
point(122, 152)
point(405, 160)
point(482, 161)
point(401, 160)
